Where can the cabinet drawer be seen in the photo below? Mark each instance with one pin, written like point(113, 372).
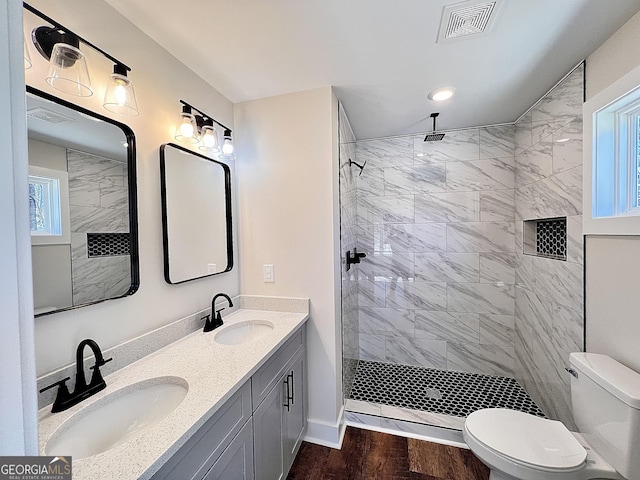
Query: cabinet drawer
point(197, 456)
point(265, 378)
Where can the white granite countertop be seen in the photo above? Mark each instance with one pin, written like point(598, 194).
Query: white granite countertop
point(213, 373)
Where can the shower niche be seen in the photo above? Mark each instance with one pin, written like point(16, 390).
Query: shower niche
point(546, 238)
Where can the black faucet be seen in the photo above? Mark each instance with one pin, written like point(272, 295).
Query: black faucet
point(217, 319)
point(82, 390)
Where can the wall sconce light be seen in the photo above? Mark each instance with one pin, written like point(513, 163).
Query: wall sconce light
point(227, 145)
point(209, 137)
point(120, 96)
point(68, 70)
point(200, 128)
point(187, 130)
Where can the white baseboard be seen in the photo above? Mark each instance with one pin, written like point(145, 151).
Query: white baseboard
point(326, 434)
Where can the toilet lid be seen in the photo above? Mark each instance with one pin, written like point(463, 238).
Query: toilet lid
point(526, 439)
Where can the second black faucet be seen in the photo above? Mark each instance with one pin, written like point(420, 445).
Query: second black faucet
point(217, 318)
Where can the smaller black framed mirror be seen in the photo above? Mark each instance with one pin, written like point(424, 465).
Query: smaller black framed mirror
point(197, 232)
point(82, 205)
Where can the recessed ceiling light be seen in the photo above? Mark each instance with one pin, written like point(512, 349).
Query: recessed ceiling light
point(563, 140)
point(440, 94)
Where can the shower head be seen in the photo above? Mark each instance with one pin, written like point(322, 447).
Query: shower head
point(433, 136)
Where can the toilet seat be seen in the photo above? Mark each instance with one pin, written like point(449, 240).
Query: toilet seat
point(526, 440)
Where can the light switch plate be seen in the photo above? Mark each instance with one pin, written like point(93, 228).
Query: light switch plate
point(268, 273)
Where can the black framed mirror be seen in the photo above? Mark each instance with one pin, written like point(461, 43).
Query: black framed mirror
point(196, 215)
point(82, 205)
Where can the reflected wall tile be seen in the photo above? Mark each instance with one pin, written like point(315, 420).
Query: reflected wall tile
point(387, 321)
point(575, 247)
point(484, 359)
point(372, 347)
point(366, 235)
point(425, 237)
point(414, 179)
point(385, 152)
point(497, 329)
point(480, 298)
point(498, 268)
point(84, 193)
point(87, 292)
point(417, 351)
point(567, 146)
point(480, 237)
point(447, 207)
point(391, 266)
point(453, 327)
point(115, 197)
point(489, 174)
point(386, 209)
point(371, 182)
point(421, 295)
point(497, 142)
point(447, 267)
point(96, 219)
point(371, 293)
point(535, 163)
point(497, 206)
point(462, 145)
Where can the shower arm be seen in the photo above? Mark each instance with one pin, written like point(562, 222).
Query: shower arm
point(361, 167)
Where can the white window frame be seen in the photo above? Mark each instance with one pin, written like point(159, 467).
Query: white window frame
point(609, 143)
point(62, 179)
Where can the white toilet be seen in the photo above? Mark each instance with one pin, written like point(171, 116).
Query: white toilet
point(605, 397)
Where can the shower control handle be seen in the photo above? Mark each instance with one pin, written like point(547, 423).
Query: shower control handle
point(355, 258)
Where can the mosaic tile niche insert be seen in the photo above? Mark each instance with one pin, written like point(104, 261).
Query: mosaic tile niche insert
point(439, 391)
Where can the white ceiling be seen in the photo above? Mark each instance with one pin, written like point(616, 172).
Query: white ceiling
point(381, 55)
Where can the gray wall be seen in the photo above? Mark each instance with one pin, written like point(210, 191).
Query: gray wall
point(437, 222)
point(549, 293)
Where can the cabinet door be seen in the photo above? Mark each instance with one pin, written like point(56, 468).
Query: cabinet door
point(295, 417)
point(267, 424)
point(236, 462)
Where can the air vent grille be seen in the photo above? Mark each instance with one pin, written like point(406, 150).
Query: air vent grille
point(467, 18)
point(48, 115)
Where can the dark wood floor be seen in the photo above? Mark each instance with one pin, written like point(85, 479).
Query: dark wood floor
point(368, 455)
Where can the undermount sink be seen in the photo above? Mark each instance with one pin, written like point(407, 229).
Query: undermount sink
point(243, 332)
point(117, 418)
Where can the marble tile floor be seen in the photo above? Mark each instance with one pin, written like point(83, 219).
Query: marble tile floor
point(392, 395)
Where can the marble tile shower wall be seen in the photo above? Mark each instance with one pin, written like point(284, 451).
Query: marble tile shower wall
point(98, 202)
point(549, 293)
point(436, 220)
point(348, 240)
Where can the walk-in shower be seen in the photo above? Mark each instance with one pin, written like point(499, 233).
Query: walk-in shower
point(452, 309)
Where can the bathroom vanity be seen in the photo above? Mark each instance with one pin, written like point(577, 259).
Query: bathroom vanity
point(243, 415)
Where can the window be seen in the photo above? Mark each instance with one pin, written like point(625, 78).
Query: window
point(612, 159)
point(48, 206)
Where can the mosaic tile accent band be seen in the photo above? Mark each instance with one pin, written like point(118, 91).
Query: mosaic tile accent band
point(108, 244)
point(551, 238)
point(440, 391)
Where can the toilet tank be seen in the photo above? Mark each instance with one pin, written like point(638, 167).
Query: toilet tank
point(605, 397)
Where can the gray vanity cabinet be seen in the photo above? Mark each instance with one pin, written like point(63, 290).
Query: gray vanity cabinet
point(236, 462)
point(280, 419)
point(257, 432)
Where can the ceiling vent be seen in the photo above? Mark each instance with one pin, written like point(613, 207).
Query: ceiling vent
point(467, 18)
point(48, 115)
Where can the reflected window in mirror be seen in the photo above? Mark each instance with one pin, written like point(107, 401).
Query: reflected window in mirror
point(196, 215)
point(83, 209)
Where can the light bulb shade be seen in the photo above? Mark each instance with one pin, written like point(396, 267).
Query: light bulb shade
point(120, 97)
point(209, 139)
point(27, 57)
point(68, 71)
point(227, 146)
point(187, 130)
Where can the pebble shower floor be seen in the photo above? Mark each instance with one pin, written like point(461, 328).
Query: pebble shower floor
point(439, 391)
